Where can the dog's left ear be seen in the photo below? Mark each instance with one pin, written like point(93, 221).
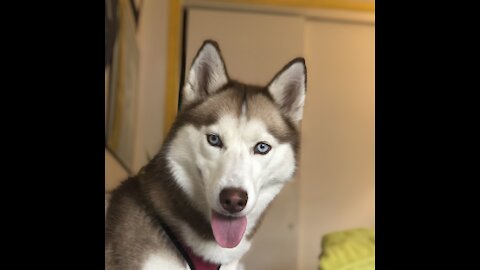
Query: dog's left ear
point(288, 89)
point(207, 74)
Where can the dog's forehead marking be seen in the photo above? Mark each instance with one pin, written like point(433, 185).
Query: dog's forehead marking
point(209, 111)
point(243, 129)
point(242, 100)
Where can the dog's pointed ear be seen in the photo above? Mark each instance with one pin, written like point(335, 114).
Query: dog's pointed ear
point(288, 89)
point(207, 74)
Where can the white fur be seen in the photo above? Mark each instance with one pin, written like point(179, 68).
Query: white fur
point(162, 261)
point(202, 171)
point(294, 73)
point(235, 265)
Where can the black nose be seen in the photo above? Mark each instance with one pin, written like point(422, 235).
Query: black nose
point(233, 199)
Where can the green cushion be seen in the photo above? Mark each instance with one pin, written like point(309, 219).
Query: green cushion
point(348, 250)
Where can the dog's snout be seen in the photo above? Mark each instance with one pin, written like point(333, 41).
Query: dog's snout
point(233, 200)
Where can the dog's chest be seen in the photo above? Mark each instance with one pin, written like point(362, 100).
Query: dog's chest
point(159, 261)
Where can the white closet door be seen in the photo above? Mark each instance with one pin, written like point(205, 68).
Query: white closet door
point(255, 47)
point(337, 151)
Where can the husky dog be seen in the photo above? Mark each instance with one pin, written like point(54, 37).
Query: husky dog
point(198, 202)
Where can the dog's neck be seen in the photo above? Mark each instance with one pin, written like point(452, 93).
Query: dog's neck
point(193, 260)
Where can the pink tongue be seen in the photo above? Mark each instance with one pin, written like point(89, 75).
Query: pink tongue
point(228, 231)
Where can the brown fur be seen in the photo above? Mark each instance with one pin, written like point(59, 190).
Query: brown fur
point(131, 231)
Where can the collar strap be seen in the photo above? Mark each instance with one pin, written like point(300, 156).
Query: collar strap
point(194, 261)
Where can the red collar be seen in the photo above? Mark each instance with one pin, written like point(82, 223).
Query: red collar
point(199, 263)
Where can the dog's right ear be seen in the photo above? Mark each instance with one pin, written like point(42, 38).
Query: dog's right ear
point(288, 89)
point(207, 74)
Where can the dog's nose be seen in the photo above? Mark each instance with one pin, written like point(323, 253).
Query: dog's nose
point(233, 199)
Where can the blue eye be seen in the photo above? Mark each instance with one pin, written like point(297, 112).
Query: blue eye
point(214, 140)
point(262, 148)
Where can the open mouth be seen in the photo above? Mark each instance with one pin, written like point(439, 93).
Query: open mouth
point(227, 230)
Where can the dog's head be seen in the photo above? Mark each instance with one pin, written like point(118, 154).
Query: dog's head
point(234, 146)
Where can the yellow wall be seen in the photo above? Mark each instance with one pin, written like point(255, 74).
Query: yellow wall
point(357, 5)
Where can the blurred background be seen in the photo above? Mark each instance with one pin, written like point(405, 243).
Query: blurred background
point(328, 212)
